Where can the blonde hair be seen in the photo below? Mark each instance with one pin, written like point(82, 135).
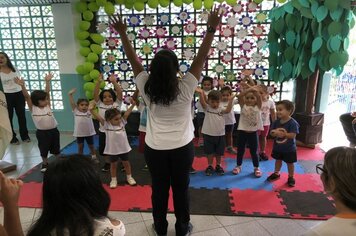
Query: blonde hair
point(340, 167)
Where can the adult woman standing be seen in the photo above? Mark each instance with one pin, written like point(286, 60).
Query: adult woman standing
point(14, 97)
point(169, 149)
point(338, 175)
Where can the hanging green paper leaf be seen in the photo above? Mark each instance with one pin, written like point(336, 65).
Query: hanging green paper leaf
point(314, 7)
point(336, 14)
point(290, 21)
point(338, 70)
point(306, 12)
point(279, 26)
point(312, 64)
point(289, 53)
point(346, 4)
point(334, 43)
point(334, 28)
point(304, 3)
point(346, 43)
point(298, 25)
point(290, 37)
point(316, 45)
point(331, 4)
point(297, 41)
point(321, 13)
point(288, 7)
point(296, 4)
point(287, 68)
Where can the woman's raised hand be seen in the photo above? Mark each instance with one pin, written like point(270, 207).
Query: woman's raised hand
point(215, 17)
point(118, 24)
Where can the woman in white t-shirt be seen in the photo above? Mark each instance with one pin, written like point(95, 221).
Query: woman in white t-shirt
point(338, 175)
point(74, 201)
point(169, 149)
point(14, 97)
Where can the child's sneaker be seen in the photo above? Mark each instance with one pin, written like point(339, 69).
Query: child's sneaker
point(131, 181)
point(209, 171)
point(257, 172)
point(219, 170)
point(113, 183)
point(106, 167)
point(231, 150)
point(273, 177)
point(44, 167)
point(263, 156)
point(291, 182)
point(236, 170)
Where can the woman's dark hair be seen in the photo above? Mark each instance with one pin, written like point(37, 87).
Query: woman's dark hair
point(8, 62)
point(162, 84)
point(73, 196)
point(112, 92)
point(80, 100)
point(111, 113)
point(38, 95)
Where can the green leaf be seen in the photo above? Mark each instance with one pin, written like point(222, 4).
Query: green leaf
point(271, 70)
point(336, 14)
point(287, 68)
point(276, 76)
point(334, 28)
point(289, 53)
point(338, 59)
point(312, 64)
point(272, 59)
point(321, 13)
point(305, 73)
point(346, 4)
point(306, 12)
point(345, 30)
point(290, 21)
point(290, 37)
point(297, 41)
point(298, 25)
point(272, 36)
point(314, 7)
point(279, 26)
point(288, 7)
point(296, 4)
point(316, 45)
point(304, 3)
point(346, 43)
point(334, 43)
point(331, 4)
point(338, 70)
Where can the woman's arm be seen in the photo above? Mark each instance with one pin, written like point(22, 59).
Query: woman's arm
point(97, 88)
point(198, 62)
point(48, 77)
point(120, 26)
point(94, 113)
point(71, 99)
point(135, 97)
point(25, 93)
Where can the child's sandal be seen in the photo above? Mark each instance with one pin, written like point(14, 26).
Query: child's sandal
point(258, 173)
point(236, 170)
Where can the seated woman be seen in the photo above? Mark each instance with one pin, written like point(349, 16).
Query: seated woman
point(338, 175)
point(74, 201)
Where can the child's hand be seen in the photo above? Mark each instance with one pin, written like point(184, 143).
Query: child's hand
point(91, 105)
point(198, 90)
point(232, 96)
point(100, 78)
point(19, 81)
point(113, 78)
point(10, 190)
point(118, 24)
point(48, 77)
point(72, 91)
point(132, 101)
point(281, 133)
point(214, 17)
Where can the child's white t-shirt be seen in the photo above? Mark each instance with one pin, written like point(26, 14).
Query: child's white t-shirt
point(214, 122)
point(116, 139)
point(266, 111)
point(102, 108)
point(83, 124)
point(229, 117)
point(199, 106)
point(250, 119)
point(43, 118)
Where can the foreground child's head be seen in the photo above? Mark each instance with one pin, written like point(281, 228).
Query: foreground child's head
point(82, 104)
point(113, 116)
point(107, 96)
point(284, 108)
point(39, 98)
point(339, 175)
point(207, 83)
point(214, 98)
point(226, 92)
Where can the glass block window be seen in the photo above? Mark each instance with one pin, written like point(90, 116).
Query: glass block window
point(27, 36)
point(244, 48)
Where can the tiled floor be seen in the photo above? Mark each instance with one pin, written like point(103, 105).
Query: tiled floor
point(27, 155)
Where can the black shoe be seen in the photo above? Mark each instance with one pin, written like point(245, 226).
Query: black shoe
point(209, 171)
point(15, 141)
point(291, 182)
point(190, 229)
point(154, 230)
point(27, 140)
point(273, 177)
point(219, 170)
point(192, 170)
point(44, 167)
point(106, 167)
point(263, 156)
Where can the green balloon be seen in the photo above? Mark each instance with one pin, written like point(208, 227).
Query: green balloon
point(208, 4)
point(109, 8)
point(88, 66)
point(258, 1)
point(89, 95)
point(84, 25)
point(96, 48)
point(84, 51)
point(178, 3)
point(80, 69)
point(81, 7)
point(128, 5)
point(93, 7)
point(102, 84)
point(231, 2)
point(92, 57)
point(197, 4)
point(187, 1)
point(88, 15)
point(84, 43)
point(89, 86)
point(139, 6)
point(101, 2)
point(152, 3)
point(97, 38)
point(120, 2)
point(81, 35)
point(163, 3)
point(87, 78)
point(94, 74)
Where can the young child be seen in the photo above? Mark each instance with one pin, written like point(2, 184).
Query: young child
point(105, 100)
point(207, 86)
point(47, 134)
point(284, 130)
point(116, 143)
point(250, 122)
point(229, 117)
point(214, 129)
point(83, 124)
point(267, 113)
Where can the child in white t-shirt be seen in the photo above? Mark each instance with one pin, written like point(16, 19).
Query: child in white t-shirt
point(106, 99)
point(268, 111)
point(47, 134)
point(250, 122)
point(214, 129)
point(83, 124)
point(116, 144)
